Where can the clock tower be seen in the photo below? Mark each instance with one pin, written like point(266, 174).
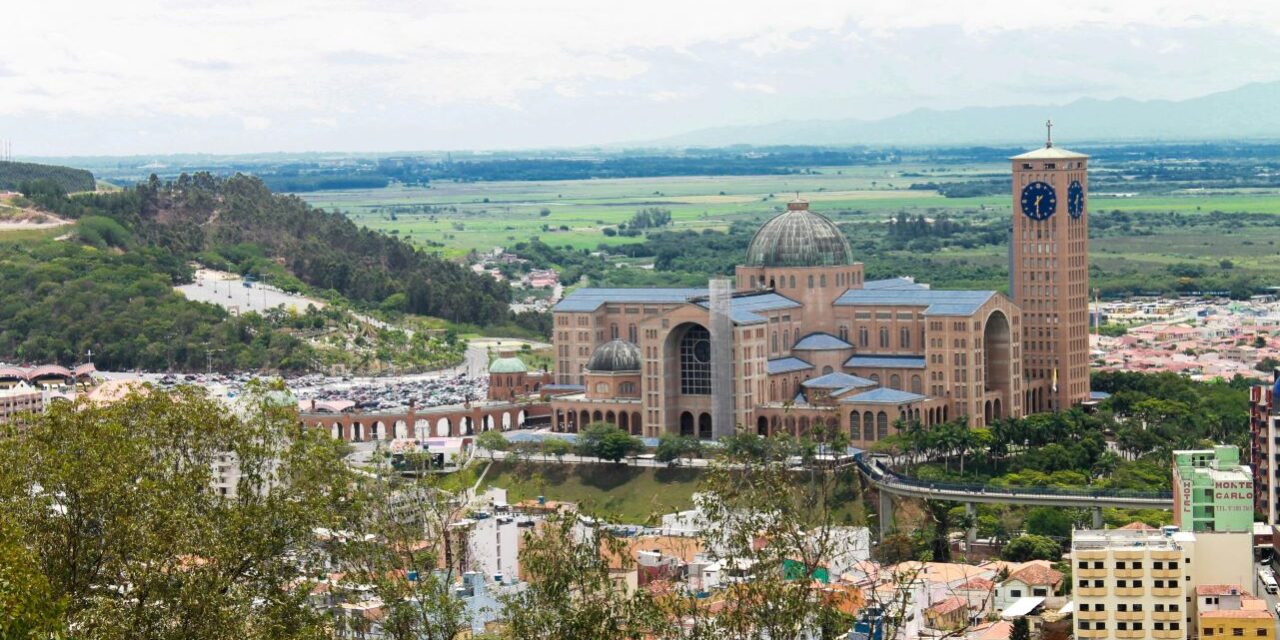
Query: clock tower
point(1049, 273)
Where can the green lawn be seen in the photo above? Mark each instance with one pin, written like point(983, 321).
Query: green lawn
point(628, 494)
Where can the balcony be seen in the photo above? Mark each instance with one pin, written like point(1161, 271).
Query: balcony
point(1091, 615)
point(1176, 574)
point(1130, 592)
point(1130, 615)
point(1091, 633)
point(1167, 592)
point(1129, 555)
point(1091, 555)
point(1091, 573)
point(1130, 573)
point(1167, 555)
point(1091, 592)
point(1169, 635)
point(1174, 616)
point(1130, 633)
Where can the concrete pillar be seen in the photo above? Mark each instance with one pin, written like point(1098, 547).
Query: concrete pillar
point(1097, 517)
point(886, 514)
point(971, 532)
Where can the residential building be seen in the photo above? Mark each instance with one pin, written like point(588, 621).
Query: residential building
point(1032, 580)
point(1128, 584)
point(1228, 611)
point(1264, 431)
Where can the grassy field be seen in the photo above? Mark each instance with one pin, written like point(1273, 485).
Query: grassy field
point(627, 493)
point(455, 218)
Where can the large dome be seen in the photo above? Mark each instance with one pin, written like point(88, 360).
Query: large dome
point(799, 238)
point(615, 356)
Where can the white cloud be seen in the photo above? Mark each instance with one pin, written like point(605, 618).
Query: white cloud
point(760, 87)
point(302, 61)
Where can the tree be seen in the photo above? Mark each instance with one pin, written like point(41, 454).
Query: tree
point(492, 440)
point(1021, 629)
point(672, 447)
point(558, 447)
point(117, 510)
point(1050, 521)
point(571, 593)
point(1031, 547)
point(607, 442)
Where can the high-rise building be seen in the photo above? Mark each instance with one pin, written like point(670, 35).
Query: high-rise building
point(1212, 491)
point(1264, 430)
point(1049, 273)
point(1128, 583)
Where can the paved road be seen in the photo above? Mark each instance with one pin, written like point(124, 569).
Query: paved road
point(1271, 598)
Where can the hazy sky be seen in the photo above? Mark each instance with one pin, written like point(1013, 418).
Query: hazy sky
point(169, 76)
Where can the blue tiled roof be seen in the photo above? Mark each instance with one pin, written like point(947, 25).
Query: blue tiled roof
point(937, 303)
point(743, 309)
point(1099, 395)
point(895, 284)
point(590, 299)
point(887, 362)
point(821, 342)
point(787, 365)
point(837, 380)
point(885, 396)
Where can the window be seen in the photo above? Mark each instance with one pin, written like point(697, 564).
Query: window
point(1015, 593)
point(1173, 607)
point(1137, 584)
point(1097, 564)
point(1120, 565)
point(1137, 565)
point(1159, 607)
point(1262, 633)
point(863, 339)
point(1122, 607)
point(695, 361)
point(1097, 584)
point(1237, 631)
point(1121, 584)
point(1137, 626)
point(1157, 565)
point(1100, 607)
point(1159, 626)
point(884, 337)
point(1084, 606)
point(1175, 626)
point(1137, 606)
point(1122, 626)
point(1083, 565)
point(1084, 583)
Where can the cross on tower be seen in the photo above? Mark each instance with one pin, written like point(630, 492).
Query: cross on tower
point(1048, 140)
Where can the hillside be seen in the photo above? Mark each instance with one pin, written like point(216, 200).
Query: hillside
point(13, 174)
point(238, 223)
point(1241, 113)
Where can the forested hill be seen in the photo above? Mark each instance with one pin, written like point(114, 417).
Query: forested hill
point(237, 220)
point(13, 174)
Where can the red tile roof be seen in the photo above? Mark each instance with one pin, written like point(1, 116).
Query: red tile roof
point(1037, 575)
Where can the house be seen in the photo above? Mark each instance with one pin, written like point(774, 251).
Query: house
point(980, 594)
point(948, 615)
point(1032, 580)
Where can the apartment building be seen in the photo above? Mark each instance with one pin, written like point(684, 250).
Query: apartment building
point(1129, 584)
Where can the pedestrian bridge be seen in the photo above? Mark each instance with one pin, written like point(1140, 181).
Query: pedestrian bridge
point(890, 483)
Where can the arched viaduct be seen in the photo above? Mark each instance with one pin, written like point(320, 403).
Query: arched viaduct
point(434, 422)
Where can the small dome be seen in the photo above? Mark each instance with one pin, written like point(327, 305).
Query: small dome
point(799, 238)
point(615, 356)
point(508, 365)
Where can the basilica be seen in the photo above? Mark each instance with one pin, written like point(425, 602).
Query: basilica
point(807, 341)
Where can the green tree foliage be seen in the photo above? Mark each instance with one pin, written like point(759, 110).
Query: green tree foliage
point(61, 299)
point(650, 218)
point(1031, 547)
point(28, 608)
point(492, 441)
point(258, 232)
point(116, 507)
point(607, 442)
point(1052, 522)
point(26, 177)
point(672, 447)
point(1021, 629)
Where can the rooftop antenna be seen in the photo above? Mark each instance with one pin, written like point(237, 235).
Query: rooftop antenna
point(1048, 139)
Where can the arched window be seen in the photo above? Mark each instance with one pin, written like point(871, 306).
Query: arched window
point(904, 337)
point(792, 282)
point(863, 339)
point(884, 337)
point(632, 333)
point(811, 281)
point(613, 331)
point(695, 361)
point(775, 341)
point(868, 427)
point(773, 391)
point(786, 338)
point(875, 377)
point(827, 369)
point(844, 333)
point(916, 385)
point(855, 424)
point(882, 425)
point(822, 280)
point(895, 382)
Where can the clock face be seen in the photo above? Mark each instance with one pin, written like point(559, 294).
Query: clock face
point(702, 351)
point(1075, 199)
point(1039, 201)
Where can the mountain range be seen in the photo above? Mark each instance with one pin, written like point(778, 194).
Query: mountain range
point(1249, 111)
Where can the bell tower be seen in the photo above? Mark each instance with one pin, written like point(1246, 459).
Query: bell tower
point(1049, 273)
